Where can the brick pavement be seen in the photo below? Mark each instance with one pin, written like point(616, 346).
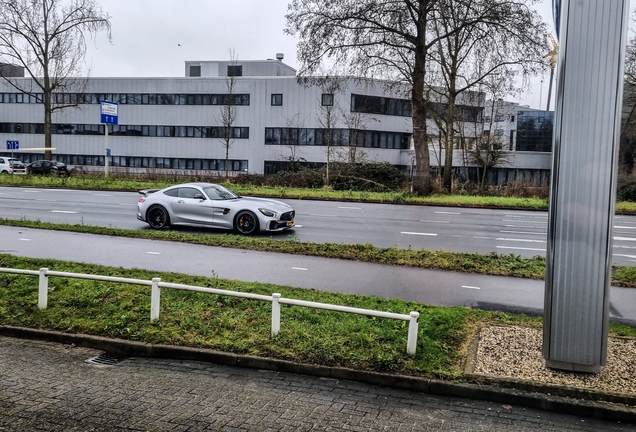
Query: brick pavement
point(48, 387)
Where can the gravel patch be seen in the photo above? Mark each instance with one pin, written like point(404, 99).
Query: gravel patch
point(515, 352)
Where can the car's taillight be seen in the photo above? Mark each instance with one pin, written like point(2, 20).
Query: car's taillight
point(10, 166)
point(142, 199)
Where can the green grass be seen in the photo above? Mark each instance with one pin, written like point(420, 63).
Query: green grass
point(127, 183)
point(243, 326)
point(492, 264)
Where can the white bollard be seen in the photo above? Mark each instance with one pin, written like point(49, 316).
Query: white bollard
point(43, 289)
point(411, 344)
point(155, 299)
point(275, 314)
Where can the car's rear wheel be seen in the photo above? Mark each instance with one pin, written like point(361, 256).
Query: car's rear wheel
point(246, 222)
point(158, 217)
point(4, 172)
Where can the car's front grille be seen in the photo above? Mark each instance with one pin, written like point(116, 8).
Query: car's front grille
point(287, 216)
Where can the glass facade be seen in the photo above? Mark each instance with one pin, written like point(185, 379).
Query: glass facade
point(534, 131)
point(130, 98)
point(337, 137)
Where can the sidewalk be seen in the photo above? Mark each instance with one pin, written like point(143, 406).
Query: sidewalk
point(47, 386)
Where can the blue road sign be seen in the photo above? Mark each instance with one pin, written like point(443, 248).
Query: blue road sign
point(108, 152)
point(108, 111)
point(13, 145)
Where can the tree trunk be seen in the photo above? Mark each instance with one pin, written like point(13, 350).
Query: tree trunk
point(48, 147)
point(422, 177)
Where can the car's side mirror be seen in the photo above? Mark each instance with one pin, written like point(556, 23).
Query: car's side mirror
point(199, 197)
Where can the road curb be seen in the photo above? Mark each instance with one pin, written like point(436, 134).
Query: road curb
point(538, 397)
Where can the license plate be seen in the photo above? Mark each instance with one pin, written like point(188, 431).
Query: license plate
point(290, 223)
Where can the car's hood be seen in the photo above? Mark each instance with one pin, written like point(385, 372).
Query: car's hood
point(267, 203)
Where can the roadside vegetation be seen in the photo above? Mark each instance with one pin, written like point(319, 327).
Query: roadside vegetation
point(493, 263)
point(243, 326)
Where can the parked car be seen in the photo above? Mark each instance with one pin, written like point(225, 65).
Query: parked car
point(6, 167)
point(19, 167)
point(212, 205)
point(47, 167)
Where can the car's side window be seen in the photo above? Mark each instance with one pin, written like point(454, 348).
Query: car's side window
point(187, 192)
point(212, 194)
point(1, 160)
point(172, 192)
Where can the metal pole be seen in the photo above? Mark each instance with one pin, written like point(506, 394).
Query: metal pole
point(106, 152)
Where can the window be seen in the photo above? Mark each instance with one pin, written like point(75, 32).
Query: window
point(498, 132)
point(500, 118)
point(277, 99)
point(235, 70)
point(380, 105)
point(195, 71)
point(327, 99)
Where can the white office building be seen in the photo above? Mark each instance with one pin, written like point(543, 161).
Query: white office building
point(176, 123)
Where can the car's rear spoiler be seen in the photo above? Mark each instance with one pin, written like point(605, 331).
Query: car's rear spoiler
point(147, 192)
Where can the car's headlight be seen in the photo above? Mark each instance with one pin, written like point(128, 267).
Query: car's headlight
point(268, 213)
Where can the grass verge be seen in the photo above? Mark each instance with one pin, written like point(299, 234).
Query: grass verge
point(492, 264)
point(242, 326)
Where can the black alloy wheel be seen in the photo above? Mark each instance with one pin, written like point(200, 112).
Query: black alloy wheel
point(157, 217)
point(246, 222)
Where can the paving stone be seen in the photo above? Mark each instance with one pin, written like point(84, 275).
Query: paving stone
point(48, 387)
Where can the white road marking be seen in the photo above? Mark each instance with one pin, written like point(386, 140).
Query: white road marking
point(624, 239)
point(299, 268)
point(470, 287)
point(433, 221)
point(31, 191)
point(622, 227)
point(625, 247)
point(444, 212)
point(323, 215)
point(102, 195)
point(63, 211)
point(298, 226)
point(520, 248)
point(627, 256)
point(520, 240)
point(524, 232)
point(25, 239)
point(154, 253)
point(417, 233)
point(352, 208)
point(483, 238)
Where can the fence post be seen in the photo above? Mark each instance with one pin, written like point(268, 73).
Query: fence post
point(155, 299)
point(411, 345)
point(43, 289)
point(275, 314)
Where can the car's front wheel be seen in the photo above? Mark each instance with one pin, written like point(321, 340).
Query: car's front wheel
point(158, 217)
point(246, 222)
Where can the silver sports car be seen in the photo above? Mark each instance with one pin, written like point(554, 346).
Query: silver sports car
point(212, 205)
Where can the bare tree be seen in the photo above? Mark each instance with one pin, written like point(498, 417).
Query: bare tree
point(290, 139)
point(355, 123)
point(328, 120)
point(511, 47)
point(390, 39)
point(48, 39)
point(227, 116)
point(489, 152)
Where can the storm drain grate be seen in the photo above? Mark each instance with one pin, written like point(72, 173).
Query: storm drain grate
point(105, 359)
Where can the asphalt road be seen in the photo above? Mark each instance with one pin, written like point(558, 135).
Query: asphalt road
point(383, 225)
point(421, 285)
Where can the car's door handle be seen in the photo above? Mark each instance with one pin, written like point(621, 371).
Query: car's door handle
point(180, 201)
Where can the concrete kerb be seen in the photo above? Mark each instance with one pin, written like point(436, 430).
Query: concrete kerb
point(531, 396)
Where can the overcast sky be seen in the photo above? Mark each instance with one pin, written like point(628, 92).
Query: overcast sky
point(153, 38)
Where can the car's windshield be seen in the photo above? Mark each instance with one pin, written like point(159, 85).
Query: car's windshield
point(217, 192)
